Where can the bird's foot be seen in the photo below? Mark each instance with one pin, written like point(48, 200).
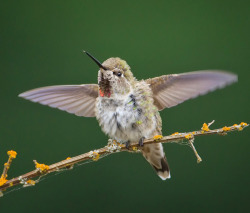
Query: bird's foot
point(141, 141)
point(127, 144)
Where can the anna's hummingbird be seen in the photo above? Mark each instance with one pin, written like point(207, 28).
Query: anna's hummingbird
point(127, 109)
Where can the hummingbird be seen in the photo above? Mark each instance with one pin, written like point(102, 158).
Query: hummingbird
point(127, 109)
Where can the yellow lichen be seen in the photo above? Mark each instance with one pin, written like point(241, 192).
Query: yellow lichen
point(31, 182)
point(115, 143)
point(225, 128)
point(42, 167)
point(68, 158)
point(189, 136)
point(3, 180)
point(120, 144)
point(205, 127)
point(157, 137)
point(243, 124)
point(96, 156)
point(176, 133)
point(240, 128)
point(193, 133)
point(134, 148)
point(12, 154)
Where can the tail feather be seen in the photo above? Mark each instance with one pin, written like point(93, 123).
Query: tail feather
point(155, 155)
point(164, 172)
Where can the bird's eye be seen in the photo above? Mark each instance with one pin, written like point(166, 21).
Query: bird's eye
point(119, 74)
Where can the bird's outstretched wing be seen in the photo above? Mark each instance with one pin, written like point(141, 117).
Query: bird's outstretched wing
point(170, 90)
point(77, 99)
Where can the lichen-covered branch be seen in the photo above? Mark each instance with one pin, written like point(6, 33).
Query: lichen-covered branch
point(3, 179)
point(112, 147)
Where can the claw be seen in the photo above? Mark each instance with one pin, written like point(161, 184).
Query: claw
point(141, 141)
point(127, 144)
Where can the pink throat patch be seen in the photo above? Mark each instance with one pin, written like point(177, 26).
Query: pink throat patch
point(102, 94)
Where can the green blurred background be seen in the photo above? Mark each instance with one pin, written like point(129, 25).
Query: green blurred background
point(41, 44)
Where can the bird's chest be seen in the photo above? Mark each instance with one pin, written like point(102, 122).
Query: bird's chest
point(120, 119)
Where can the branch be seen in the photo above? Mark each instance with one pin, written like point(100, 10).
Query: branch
point(112, 147)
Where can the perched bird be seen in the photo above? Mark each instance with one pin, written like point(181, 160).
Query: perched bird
point(127, 109)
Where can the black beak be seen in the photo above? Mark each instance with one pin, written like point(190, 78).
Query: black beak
point(95, 60)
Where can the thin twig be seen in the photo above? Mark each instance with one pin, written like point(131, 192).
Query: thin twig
point(114, 147)
point(6, 168)
point(3, 178)
point(191, 142)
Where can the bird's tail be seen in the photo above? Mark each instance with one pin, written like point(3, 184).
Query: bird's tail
point(155, 155)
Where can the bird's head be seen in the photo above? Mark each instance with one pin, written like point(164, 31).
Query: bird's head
point(114, 77)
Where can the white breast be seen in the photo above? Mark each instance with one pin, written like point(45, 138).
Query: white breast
point(122, 121)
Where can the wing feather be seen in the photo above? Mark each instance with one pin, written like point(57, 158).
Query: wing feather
point(171, 90)
point(76, 99)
